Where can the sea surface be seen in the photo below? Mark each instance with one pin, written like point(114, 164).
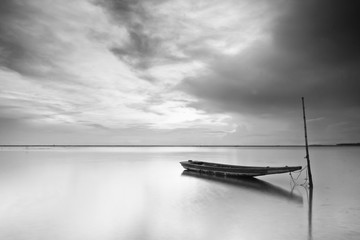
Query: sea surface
point(73, 193)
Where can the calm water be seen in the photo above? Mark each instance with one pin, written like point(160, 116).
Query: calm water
point(142, 193)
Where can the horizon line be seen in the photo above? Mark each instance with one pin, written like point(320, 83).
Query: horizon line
point(177, 145)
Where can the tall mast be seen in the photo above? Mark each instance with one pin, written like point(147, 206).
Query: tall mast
point(307, 147)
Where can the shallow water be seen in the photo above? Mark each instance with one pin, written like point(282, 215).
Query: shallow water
point(143, 193)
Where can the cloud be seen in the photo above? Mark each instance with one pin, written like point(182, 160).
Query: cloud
point(61, 69)
point(167, 32)
point(21, 34)
point(322, 31)
point(214, 67)
point(142, 45)
point(311, 52)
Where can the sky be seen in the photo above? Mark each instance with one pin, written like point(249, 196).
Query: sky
point(179, 71)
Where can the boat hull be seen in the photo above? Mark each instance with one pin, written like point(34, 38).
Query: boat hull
point(235, 170)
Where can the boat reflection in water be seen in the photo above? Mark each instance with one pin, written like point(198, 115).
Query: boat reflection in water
point(248, 183)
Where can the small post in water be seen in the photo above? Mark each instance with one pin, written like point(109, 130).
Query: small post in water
point(307, 148)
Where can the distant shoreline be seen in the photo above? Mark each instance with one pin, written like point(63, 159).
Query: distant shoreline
point(178, 145)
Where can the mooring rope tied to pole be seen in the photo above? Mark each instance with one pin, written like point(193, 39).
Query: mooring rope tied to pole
point(295, 179)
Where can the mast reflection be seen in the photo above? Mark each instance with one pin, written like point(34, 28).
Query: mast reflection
point(310, 213)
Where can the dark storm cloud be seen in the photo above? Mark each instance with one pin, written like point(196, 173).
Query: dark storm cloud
point(326, 31)
point(12, 49)
point(140, 53)
point(28, 44)
point(16, 53)
point(143, 48)
point(142, 45)
point(153, 36)
point(314, 53)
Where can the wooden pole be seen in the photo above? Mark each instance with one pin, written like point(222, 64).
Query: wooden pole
point(307, 147)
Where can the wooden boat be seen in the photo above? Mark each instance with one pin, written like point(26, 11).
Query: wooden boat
point(234, 170)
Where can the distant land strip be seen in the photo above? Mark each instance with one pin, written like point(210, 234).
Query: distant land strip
point(178, 145)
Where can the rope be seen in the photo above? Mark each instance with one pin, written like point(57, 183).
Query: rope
point(294, 180)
